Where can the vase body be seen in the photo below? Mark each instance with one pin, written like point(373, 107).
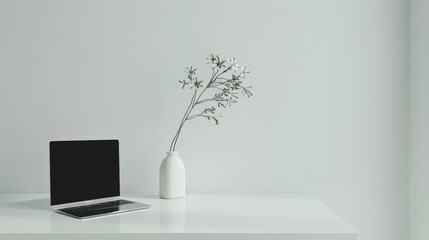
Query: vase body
point(172, 179)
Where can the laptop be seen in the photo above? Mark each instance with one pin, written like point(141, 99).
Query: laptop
point(84, 179)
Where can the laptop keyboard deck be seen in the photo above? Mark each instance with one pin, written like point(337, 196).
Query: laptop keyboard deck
point(95, 209)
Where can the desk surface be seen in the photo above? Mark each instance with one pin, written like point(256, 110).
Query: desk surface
point(281, 215)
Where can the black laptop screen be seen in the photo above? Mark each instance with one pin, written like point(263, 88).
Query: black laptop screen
point(83, 170)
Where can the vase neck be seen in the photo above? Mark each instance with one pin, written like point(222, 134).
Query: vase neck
point(172, 153)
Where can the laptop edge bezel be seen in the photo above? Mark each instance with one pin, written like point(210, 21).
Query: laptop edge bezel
point(91, 201)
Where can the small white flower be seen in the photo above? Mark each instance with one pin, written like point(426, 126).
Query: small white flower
point(190, 70)
point(213, 65)
point(243, 71)
point(211, 60)
point(232, 61)
point(234, 64)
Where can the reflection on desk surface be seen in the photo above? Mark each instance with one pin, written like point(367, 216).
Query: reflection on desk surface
point(196, 213)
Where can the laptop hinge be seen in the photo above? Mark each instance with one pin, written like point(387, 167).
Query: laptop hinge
point(83, 203)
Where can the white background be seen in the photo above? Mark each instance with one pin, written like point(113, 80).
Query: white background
point(329, 116)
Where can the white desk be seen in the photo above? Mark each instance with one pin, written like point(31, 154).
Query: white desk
point(198, 216)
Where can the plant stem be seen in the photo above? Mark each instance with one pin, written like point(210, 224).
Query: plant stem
point(192, 105)
point(198, 115)
point(185, 117)
point(173, 145)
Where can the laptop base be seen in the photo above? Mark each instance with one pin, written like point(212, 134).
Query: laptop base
point(102, 209)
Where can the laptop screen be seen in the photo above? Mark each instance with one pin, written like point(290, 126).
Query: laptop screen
point(83, 170)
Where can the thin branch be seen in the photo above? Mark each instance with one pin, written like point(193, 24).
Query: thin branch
point(173, 145)
point(218, 84)
point(226, 86)
point(211, 99)
point(202, 115)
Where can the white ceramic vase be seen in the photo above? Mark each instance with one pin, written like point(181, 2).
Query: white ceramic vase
point(172, 183)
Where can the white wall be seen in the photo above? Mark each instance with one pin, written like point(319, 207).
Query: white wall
point(419, 112)
point(328, 118)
